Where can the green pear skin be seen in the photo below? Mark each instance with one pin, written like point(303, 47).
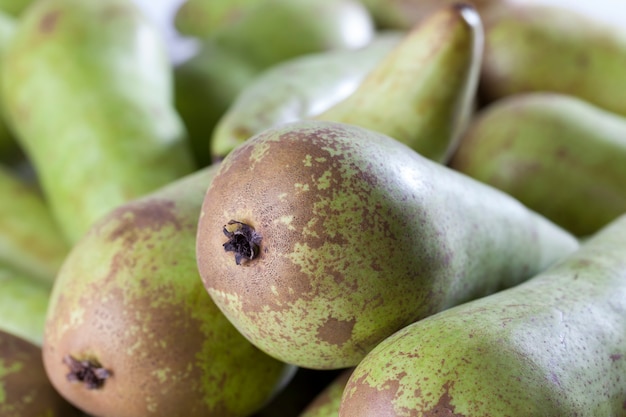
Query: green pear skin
point(25, 390)
point(296, 89)
point(87, 89)
point(30, 239)
point(328, 401)
point(533, 47)
point(319, 239)
point(559, 155)
point(208, 83)
point(422, 92)
point(9, 148)
point(130, 303)
point(553, 346)
point(24, 304)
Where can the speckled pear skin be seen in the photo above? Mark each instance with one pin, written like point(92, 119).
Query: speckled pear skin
point(553, 346)
point(422, 92)
point(87, 91)
point(534, 47)
point(559, 155)
point(25, 390)
point(360, 236)
point(30, 239)
point(296, 89)
point(129, 298)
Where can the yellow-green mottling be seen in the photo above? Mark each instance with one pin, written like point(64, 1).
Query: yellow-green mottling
point(129, 296)
point(552, 346)
point(393, 238)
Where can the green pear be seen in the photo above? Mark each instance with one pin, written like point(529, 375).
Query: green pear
point(422, 92)
point(23, 305)
point(327, 402)
point(208, 83)
point(404, 14)
point(87, 89)
point(25, 390)
point(30, 239)
point(130, 330)
point(534, 47)
point(297, 88)
point(559, 155)
point(319, 239)
point(552, 346)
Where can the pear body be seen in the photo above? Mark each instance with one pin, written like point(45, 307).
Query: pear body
point(559, 155)
point(552, 346)
point(129, 301)
point(296, 89)
point(536, 47)
point(24, 385)
point(353, 236)
point(23, 305)
point(422, 92)
point(87, 91)
point(30, 239)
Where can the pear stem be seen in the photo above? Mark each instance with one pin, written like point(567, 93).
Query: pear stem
point(88, 372)
point(243, 240)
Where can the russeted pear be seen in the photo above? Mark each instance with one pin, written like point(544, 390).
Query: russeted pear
point(404, 14)
point(130, 330)
point(552, 346)
point(23, 305)
point(328, 401)
point(559, 155)
point(538, 47)
point(30, 238)
point(25, 390)
point(319, 239)
point(423, 91)
point(297, 88)
point(273, 32)
point(87, 90)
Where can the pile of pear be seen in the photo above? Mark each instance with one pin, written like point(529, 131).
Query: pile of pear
point(331, 208)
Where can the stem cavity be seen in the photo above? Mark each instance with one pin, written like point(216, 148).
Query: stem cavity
point(243, 240)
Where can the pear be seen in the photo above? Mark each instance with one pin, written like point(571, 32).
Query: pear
point(87, 90)
point(423, 91)
point(208, 83)
point(559, 155)
point(23, 305)
point(25, 390)
point(30, 239)
point(297, 88)
point(552, 346)
point(327, 402)
point(319, 239)
point(130, 330)
point(538, 47)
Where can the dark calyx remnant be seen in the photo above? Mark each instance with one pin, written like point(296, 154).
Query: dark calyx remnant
point(88, 372)
point(243, 240)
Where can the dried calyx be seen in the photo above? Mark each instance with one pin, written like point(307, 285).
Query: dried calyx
point(243, 240)
point(88, 372)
